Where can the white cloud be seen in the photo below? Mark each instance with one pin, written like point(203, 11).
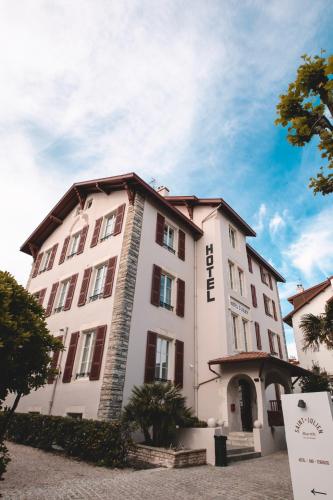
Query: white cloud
point(276, 223)
point(259, 218)
point(311, 253)
point(97, 88)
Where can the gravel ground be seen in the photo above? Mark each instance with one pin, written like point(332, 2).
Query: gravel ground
point(37, 475)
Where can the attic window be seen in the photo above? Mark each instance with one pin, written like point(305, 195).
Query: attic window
point(89, 203)
point(77, 211)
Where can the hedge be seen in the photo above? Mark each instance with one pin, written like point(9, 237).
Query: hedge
point(105, 443)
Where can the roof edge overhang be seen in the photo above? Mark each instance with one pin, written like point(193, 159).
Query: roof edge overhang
point(214, 202)
point(78, 192)
point(294, 370)
point(264, 262)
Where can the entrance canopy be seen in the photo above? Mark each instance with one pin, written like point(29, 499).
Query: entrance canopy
point(262, 359)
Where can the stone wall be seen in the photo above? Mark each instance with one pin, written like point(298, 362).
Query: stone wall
point(166, 457)
point(111, 397)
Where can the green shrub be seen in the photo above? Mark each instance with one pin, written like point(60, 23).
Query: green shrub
point(193, 422)
point(4, 459)
point(105, 443)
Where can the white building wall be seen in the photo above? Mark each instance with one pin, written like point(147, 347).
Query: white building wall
point(323, 356)
point(82, 394)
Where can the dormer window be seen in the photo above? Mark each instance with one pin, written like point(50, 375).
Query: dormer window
point(109, 224)
point(169, 237)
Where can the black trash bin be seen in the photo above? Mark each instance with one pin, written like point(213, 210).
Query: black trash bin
point(221, 451)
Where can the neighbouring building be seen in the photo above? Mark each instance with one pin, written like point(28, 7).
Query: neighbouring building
point(312, 300)
point(143, 286)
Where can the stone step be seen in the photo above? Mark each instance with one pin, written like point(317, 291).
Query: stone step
point(236, 450)
point(238, 443)
point(240, 434)
point(236, 457)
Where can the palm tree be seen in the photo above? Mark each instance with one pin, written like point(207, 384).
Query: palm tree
point(157, 409)
point(318, 330)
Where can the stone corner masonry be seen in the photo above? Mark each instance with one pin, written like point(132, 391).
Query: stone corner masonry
point(111, 396)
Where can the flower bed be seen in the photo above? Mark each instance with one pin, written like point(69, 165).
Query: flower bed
point(165, 457)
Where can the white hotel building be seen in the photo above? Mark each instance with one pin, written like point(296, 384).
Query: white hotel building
point(143, 286)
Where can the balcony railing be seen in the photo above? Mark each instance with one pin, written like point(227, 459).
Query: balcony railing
point(97, 296)
point(168, 247)
point(166, 305)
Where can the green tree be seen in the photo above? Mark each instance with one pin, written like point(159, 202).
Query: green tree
point(157, 409)
point(307, 110)
point(25, 347)
point(317, 382)
point(318, 330)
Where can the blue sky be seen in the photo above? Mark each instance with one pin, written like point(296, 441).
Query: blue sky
point(180, 91)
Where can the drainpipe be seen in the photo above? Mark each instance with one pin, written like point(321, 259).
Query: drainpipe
point(196, 405)
point(58, 374)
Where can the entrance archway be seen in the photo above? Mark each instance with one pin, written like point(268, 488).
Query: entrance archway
point(245, 403)
point(242, 403)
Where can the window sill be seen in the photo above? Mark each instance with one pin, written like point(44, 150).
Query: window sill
point(93, 298)
point(166, 306)
point(71, 255)
point(106, 237)
point(59, 309)
point(42, 271)
point(161, 380)
point(170, 249)
point(82, 376)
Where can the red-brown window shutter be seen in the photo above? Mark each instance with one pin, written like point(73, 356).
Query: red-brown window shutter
point(150, 357)
point(67, 376)
point(70, 293)
point(64, 250)
point(160, 222)
point(262, 274)
point(41, 296)
point(258, 337)
point(254, 296)
point(181, 244)
point(265, 304)
point(279, 346)
point(37, 264)
point(179, 363)
point(274, 310)
point(52, 256)
point(270, 282)
point(83, 238)
point(156, 285)
point(270, 340)
point(84, 286)
point(109, 279)
point(119, 219)
point(97, 358)
point(180, 308)
point(54, 363)
point(249, 260)
point(97, 228)
point(51, 299)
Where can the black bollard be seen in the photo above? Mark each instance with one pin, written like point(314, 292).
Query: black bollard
point(220, 451)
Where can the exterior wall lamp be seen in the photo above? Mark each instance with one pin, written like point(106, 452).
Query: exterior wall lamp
point(301, 404)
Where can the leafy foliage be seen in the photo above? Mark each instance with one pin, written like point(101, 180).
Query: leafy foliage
point(317, 382)
point(318, 330)
point(159, 406)
point(4, 460)
point(105, 443)
point(306, 109)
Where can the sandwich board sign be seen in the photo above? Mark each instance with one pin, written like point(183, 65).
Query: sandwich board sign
point(308, 420)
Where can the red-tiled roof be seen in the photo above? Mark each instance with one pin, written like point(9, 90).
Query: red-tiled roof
point(80, 190)
point(264, 262)
point(242, 357)
point(302, 298)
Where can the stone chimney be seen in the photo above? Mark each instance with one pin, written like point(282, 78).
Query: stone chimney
point(299, 288)
point(163, 191)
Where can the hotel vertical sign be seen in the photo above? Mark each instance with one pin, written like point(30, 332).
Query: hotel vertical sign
point(210, 282)
point(308, 421)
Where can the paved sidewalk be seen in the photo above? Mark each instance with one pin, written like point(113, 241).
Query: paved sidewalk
point(34, 474)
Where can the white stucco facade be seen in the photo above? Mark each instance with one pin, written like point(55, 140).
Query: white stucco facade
point(221, 313)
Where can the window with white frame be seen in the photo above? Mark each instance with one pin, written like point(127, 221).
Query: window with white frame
point(74, 245)
point(245, 335)
point(166, 291)
point(162, 359)
point(267, 305)
point(86, 354)
point(241, 282)
point(45, 261)
point(234, 320)
point(62, 296)
point(109, 224)
point(232, 237)
point(232, 275)
point(169, 237)
point(99, 281)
